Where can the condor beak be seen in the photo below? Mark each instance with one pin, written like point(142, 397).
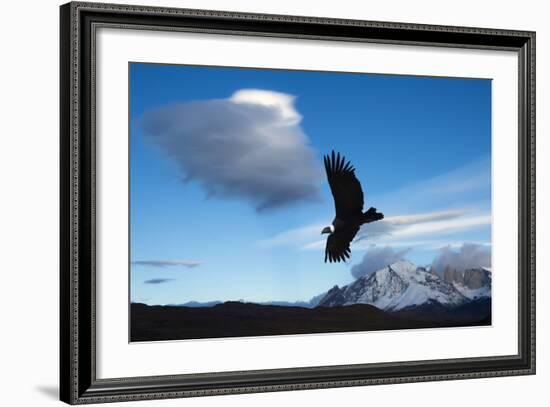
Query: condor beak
point(326, 230)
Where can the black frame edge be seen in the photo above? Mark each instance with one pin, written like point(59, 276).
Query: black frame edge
point(65, 361)
point(527, 202)
point(78, 384)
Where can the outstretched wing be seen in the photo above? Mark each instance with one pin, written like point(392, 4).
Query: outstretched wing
point(337, 248)
point(346, 189)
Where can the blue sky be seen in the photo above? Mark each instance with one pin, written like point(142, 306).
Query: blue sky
point(227, 193)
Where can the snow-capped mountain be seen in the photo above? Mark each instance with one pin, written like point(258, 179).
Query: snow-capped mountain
point(403, 285)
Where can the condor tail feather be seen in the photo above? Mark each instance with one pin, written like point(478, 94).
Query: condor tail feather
point(372, 215)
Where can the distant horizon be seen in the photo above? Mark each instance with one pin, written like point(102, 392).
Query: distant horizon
point(429, 267)
point(228, 195)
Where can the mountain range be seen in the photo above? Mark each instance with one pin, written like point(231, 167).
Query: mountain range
point(312, 303)
point(403, 285)
point(398, 296)
point(398, 286)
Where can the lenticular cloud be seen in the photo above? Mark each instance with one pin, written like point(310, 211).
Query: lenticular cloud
point(249, 146)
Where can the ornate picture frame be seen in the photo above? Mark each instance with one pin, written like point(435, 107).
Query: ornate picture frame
point(79, 382)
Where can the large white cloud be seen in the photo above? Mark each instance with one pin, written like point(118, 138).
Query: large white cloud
point(468, 256)
point(249, 146)
point(376, 259)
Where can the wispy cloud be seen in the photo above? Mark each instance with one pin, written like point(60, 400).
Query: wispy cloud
point(158, 281)
point(425, 213)
point(249, 146)
point(426, 217)
point(402, 230)
point(436, 227)
point(468, 186)
point(167, 263)
point(293, 237)
point(393, 225)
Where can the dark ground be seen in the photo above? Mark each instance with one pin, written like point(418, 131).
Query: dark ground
point(232, 319)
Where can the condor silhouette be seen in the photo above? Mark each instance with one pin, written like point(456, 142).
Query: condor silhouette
point(348, 202)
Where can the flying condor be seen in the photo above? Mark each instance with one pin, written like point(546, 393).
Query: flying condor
point(348, 202)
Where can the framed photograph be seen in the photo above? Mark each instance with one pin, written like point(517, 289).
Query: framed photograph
point(255, 203)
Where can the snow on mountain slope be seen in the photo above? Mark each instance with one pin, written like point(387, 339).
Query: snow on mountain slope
point(474, 294)
point(395, 287)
